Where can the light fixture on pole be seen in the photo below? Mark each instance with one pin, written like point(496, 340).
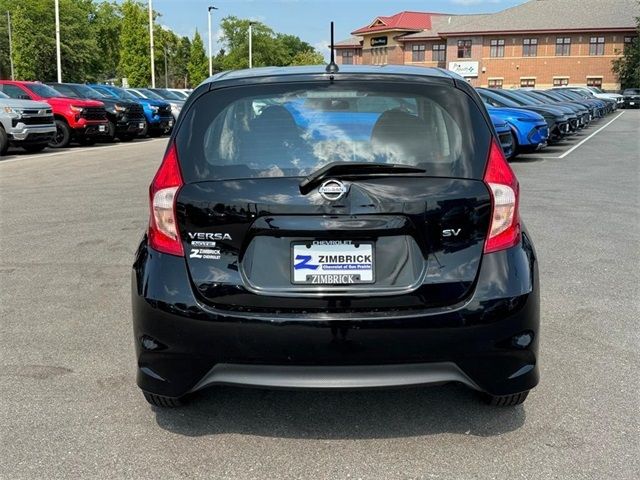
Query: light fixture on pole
point(153, 63)
point(58, 61)
point(210, 52)
point(10, 45)
point(250, 44)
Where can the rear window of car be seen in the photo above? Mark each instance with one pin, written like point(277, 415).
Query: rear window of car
point(294, 129)
point(631, 91)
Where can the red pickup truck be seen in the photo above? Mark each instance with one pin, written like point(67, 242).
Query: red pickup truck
point(80, 120)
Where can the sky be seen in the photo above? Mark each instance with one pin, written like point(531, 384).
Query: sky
point(308, 19)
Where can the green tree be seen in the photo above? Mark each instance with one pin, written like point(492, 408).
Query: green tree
point(134, 62)
point(106, 30)
point(180, 62)
point(269, 48)
point(308, 57)
point(33, 29)
point(198, 65)
point(627, 67)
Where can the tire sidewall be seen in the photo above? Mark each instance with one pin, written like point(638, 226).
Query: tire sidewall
point(4, 141)
point(64, 132)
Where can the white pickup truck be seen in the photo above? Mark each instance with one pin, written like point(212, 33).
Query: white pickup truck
point(25, 123)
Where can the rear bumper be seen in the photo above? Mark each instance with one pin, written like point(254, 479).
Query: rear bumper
point(334, 377)
point(182, 345)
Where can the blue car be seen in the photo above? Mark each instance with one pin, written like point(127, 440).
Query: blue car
point(159, 119)
point(529, 129)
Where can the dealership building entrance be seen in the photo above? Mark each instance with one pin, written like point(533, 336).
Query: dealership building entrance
point(541, 43)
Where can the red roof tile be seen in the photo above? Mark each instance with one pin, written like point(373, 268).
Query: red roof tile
point(402, 21)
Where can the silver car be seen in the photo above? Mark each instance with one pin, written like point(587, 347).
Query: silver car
point(25, 123)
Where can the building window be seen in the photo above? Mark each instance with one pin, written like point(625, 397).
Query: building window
point(496, 48)
point(596, 46)
point(529, 47)
point(347, 57)
point(464, 48)
point(418, 53)
point(628, 41)
point(527, 82)
point(495, 82)
point(563, 46)
point(438, 52)
point(379, 55)
point(561, 81)
point(594, 82)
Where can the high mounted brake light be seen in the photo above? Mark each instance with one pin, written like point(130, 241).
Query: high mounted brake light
point(504, 231)
point(163, 230)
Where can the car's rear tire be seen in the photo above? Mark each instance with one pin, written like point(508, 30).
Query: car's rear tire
point(162, 401)
point(505, 400)
point(62, 137)
point(4, 142)
point(34, 147)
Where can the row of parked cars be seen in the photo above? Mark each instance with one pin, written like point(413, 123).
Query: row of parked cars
point(36, 115)
point(527, 120)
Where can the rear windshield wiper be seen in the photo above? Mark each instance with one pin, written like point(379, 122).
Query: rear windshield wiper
point(336, 169)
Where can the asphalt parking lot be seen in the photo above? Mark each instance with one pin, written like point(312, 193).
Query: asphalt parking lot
point(69, 406)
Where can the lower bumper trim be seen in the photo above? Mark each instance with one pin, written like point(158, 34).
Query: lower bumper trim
point(334, 377)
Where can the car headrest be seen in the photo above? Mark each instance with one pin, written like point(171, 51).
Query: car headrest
point(401, 137)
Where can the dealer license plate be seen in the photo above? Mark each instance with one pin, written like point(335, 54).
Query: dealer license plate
point(332, 262)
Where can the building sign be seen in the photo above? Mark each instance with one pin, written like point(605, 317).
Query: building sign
point(465, 69)
point(378, 41)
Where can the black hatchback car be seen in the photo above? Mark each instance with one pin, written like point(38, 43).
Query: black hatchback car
point(350, 229)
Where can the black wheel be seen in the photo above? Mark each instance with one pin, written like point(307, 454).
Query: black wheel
point(87, 141)
point(34, 147)
point(62, 138)
point(126, 137)
point(516, 146)
point(4, 142)
point(505, 400)
point(111, 131)
point(161, 401)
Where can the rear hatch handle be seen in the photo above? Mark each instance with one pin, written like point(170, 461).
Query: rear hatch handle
point(336, 169)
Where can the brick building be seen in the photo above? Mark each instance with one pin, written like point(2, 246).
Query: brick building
point(540, 43)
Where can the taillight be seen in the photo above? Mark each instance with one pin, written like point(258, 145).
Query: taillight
point(504, 231)
point(163, 230)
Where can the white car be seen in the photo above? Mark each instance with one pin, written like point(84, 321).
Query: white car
point(598, 93)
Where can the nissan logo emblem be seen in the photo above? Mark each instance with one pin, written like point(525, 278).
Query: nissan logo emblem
point(333, 190)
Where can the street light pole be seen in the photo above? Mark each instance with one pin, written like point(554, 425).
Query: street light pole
point(250, 44)
point(210, 52)
point(58, 61)
point(166, 69)
point(10, 46)
point(153, 63)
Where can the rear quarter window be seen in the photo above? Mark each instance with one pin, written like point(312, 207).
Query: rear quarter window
point(294, 129)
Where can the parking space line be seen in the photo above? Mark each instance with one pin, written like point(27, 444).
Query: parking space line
point(75, 150)
point(594, 133)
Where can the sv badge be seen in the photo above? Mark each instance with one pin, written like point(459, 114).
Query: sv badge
point(451, 232)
